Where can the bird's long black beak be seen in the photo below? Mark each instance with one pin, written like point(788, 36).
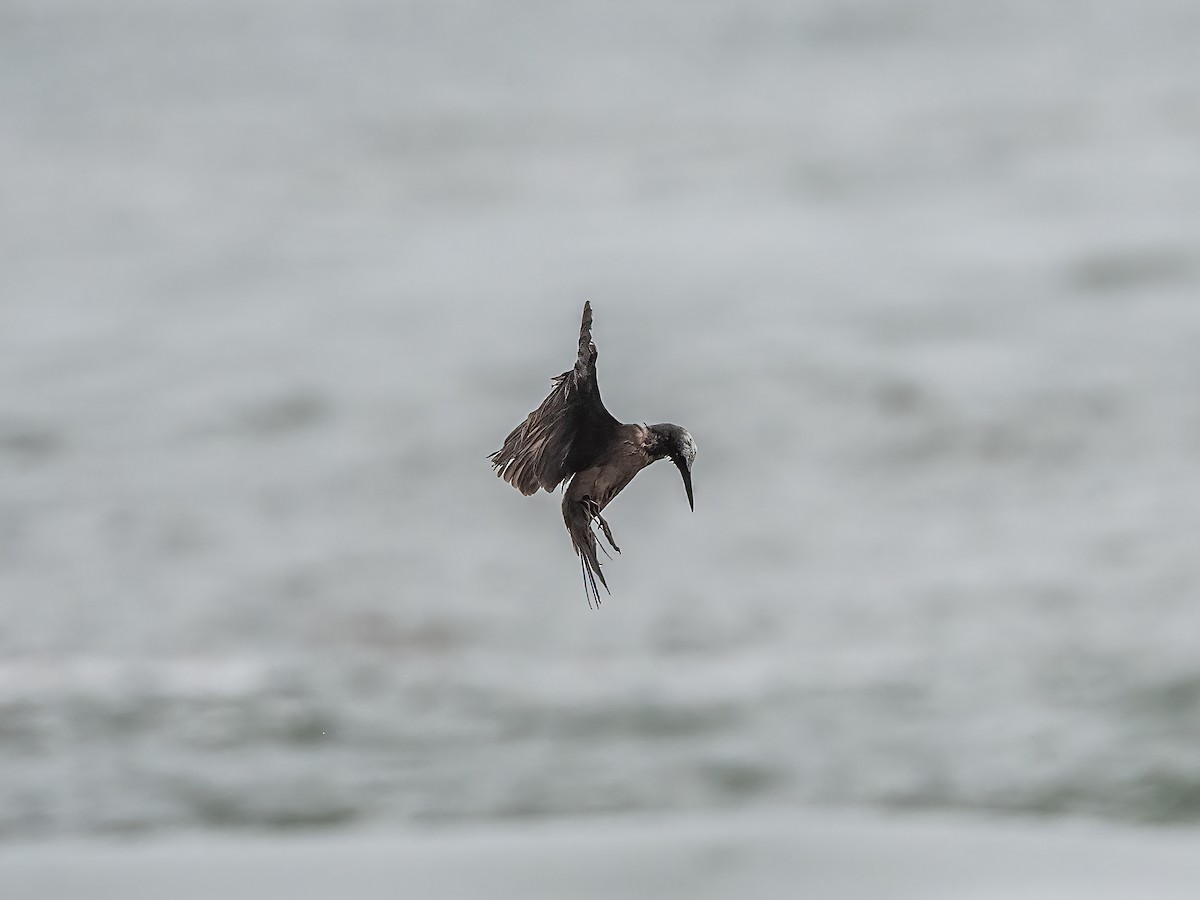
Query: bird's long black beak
point(686, 471)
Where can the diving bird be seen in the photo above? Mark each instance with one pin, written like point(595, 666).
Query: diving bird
point(571, 435)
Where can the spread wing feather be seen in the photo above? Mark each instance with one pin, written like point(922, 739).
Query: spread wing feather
point(564, 434)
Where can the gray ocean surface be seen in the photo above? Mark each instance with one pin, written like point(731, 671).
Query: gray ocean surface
point(921, 277)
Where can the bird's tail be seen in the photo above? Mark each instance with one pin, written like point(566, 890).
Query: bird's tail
point(578, 515)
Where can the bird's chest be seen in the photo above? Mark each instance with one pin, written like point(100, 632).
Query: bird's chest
point(608, 477)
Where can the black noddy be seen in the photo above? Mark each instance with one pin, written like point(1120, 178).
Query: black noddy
point(571, 435)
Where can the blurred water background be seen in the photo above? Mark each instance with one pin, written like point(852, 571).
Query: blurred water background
point(276, 275)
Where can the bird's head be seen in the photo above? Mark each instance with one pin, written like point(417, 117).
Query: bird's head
point(674, 442)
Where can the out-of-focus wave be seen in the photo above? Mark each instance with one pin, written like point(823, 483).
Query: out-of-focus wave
point(276, 277)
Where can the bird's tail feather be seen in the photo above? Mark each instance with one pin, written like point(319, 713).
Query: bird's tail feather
point(578, 515)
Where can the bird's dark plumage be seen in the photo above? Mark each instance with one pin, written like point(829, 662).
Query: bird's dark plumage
point(565, 433)
point(571, 435)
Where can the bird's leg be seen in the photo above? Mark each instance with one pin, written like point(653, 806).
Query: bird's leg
point(593, 510)
point(607, 532)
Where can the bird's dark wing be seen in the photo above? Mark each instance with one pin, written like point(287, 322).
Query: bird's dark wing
point(564, 434)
